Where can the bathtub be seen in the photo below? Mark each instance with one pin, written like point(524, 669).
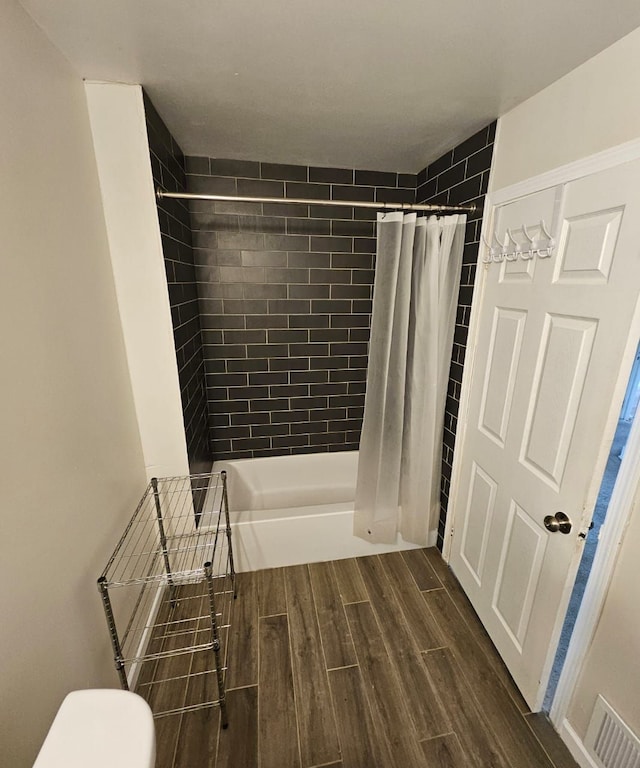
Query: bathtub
point(287, 510)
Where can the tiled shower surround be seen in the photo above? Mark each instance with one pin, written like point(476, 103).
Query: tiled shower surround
point(459, 177)
point(167, 164)
point(282, 295)
point(285, 300)
point(285, 296)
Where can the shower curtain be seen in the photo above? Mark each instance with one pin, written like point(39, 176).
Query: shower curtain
point(418, 264)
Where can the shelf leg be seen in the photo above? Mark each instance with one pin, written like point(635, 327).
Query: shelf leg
point(163, 541)
point(215, 637)
point(115, 642)
point(225, 507)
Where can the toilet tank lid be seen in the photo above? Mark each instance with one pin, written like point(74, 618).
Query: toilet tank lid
point(100, 728)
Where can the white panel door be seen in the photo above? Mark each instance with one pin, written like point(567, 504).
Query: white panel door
point(555, 345)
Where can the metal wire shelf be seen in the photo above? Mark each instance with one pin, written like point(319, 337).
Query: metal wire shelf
point(170, 584)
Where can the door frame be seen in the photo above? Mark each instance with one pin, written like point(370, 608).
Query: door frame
point(628, 481)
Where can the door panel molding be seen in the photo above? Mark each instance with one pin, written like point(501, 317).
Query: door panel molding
point(514, 610)
point(565, 339)
point(504, 356)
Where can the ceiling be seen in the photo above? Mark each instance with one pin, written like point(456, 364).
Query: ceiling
point(358, 83)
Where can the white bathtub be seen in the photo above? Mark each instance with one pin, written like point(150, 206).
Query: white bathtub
point(287, 510)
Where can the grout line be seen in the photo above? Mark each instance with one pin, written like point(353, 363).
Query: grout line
point(439, 736)
point(324, 658)
point(242, 687)
point(438, 648)
point(258, 750)
point(346, 666)
point(484, 654)
point(293, 685)
point(537, 738)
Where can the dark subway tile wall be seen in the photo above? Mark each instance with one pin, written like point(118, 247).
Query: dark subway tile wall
point(167, 164)
point(460, 176)
point(285, 299)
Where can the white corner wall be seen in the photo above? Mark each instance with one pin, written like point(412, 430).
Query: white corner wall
point(593, 108)
point(71, 465)
point(121, 145)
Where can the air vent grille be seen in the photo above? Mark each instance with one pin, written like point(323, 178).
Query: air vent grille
point(610, 740)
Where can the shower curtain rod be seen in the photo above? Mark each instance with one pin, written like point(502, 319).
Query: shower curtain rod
point(160, 194)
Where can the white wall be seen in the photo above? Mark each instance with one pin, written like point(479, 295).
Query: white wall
point(71, 466)
point(595, 107)
point(116, 112)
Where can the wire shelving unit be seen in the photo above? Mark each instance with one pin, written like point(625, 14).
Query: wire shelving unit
point(168, 592)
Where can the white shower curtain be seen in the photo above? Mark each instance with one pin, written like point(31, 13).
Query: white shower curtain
point(418, 264)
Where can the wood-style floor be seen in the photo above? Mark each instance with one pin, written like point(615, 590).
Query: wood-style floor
point(378, 661)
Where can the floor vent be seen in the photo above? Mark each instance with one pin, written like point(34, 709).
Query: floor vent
point(610, 740)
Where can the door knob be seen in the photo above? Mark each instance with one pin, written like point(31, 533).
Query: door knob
point(558, 522)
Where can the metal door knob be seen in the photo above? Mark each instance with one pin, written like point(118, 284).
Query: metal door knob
point(558, 522)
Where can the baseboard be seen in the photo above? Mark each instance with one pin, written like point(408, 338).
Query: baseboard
point(134, 669)
point(576, 747)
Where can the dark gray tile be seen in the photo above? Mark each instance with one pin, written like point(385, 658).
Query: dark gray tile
point(269, 224)
point(283, 172)
point(263, 258)
point(259, 188)
point(360, 194)
point(319, 260)
point(330, 276)
point(286, 209)
point(308, 191)
point(329, 334)
point(407, 180)
point(353, 228)
point(313, 377)
point(331, 212)
point(286, 243)
point(376, 178)
point(345, 291)
point(331, 305)
point(289, 306)
point(471, 145)
point(426, 191)
point(266, 321)
point(308, 321)
point(288, 336)
point(197, 165)
point(268, 378)
point(308, 291)
point(441, 164)
point(245, 168)
point(351, 261)
point(452, 176)
point(309, 349)
point(264, 291)
point(287, 275)
point(308, 227)
point(480, 161)
point(331, 175)
point(212, 185)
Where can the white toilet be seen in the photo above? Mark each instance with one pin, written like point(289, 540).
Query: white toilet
point(100, 728)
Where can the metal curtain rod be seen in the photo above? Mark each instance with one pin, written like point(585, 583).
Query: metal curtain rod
point(305, 201)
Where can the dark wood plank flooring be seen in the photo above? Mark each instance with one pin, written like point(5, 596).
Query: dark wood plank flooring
point(376, 661)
